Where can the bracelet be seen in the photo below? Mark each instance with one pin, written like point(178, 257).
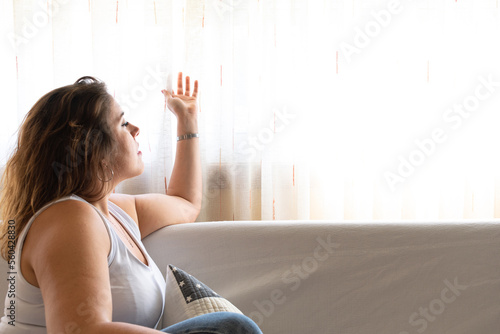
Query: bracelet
point(188, 136)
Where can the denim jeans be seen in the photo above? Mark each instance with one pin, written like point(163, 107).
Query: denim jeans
point(215, 323)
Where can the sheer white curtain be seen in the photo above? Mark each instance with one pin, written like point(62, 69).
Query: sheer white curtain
point(309, 109)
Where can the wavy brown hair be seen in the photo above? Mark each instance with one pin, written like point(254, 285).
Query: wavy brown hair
point(61, 146)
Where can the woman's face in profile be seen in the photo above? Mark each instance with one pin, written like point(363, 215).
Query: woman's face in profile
point(128, 156)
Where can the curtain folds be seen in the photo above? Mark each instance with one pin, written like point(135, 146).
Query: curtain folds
point(342, 110)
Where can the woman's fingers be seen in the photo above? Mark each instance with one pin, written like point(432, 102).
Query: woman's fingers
point(188, 87)
point(179, 84)
point(195, 91)
point(180, 90)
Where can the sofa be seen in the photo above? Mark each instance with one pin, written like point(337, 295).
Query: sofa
point(344, 277)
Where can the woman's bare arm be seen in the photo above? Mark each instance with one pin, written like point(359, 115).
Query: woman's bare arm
point(67, 249)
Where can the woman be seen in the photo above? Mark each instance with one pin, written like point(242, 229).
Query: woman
point(80, 263)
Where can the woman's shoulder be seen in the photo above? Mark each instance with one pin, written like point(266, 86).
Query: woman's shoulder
point(58, 217)
point(68, 206)
point(68, 214)
point(71, 201)
point(65, 228)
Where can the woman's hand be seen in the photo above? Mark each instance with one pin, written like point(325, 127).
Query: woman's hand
point(183, 104)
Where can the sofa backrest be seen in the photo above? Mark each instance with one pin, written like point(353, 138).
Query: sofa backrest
point(349, 277)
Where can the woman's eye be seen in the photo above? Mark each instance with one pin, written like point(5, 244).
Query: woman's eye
point(125, 124)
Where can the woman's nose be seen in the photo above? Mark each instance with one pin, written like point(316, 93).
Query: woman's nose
point(135, 131)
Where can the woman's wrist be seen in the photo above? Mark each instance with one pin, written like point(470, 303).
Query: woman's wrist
point(187, 126)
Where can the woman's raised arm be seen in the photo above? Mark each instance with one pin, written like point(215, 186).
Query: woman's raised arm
point(182, 203)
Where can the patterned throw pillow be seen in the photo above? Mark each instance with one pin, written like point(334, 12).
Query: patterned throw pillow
point(187, 297)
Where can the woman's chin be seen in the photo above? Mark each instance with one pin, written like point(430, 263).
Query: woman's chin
point(139, 170)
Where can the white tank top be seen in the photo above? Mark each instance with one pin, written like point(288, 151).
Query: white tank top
point(137, 290)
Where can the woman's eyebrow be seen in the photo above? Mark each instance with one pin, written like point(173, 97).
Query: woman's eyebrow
point(121, 115)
